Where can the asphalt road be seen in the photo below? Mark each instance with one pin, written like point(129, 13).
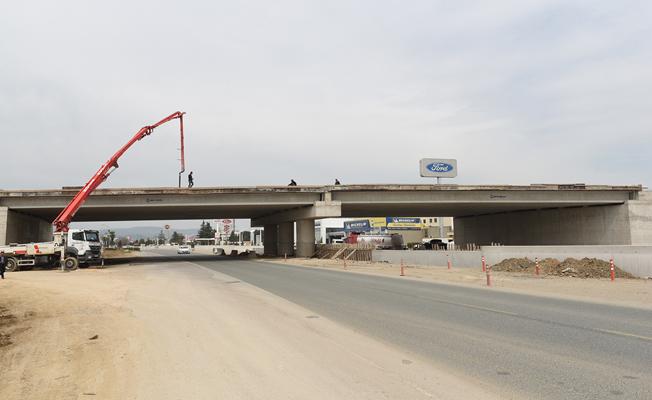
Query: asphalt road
point(527, 346)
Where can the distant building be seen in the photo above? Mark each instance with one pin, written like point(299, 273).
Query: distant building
point(329, 230)
point(413, 229)
point(431, 225)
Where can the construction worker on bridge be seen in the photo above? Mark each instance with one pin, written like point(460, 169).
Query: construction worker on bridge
point(191, 181)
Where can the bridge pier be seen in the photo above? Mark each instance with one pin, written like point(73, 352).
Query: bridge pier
point(286, 239)
point(305, 237)
point(22, 228)
point(270, 240)
point(281, 225)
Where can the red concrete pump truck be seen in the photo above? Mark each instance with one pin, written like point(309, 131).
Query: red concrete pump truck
point(70, 247)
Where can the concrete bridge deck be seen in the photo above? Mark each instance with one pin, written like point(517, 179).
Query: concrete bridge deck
point(356, 200)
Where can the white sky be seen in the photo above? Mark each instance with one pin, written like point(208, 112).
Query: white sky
point(518, 91)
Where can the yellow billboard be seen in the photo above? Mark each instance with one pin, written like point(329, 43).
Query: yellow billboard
point(395, 222)
point(404, 223)
point(377, 222)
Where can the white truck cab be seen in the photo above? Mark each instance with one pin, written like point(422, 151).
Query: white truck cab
point(82, 247)
point(87, 244)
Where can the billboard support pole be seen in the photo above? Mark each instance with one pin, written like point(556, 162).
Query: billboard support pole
point(441, 219)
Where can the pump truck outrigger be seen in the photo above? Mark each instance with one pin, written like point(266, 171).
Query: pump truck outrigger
point(70, 246)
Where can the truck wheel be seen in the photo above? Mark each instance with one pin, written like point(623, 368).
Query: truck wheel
point(12, 265)
point(71, 263)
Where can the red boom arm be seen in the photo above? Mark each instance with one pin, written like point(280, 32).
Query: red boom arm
point(66, 215)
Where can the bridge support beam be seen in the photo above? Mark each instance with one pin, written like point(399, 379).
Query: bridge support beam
point(270, 240)
point(305, 237)
point(319, 210)
point(286, 239)
point(21, 228)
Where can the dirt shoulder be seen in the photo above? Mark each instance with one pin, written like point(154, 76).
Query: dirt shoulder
point(52, 353)
point(626, 292)
point(179, 330)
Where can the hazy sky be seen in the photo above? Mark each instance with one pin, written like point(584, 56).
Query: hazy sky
point(518, 91)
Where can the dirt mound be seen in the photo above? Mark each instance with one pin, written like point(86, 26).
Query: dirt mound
point(514, 265)
point(584, 268)
point(589, 268)
point(525, 265)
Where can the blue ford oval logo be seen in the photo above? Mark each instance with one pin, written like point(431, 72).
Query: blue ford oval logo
point(439, 167)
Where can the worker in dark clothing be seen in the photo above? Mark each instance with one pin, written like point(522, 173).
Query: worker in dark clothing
point(3, 264)
point(191, 181)
point(292, 183)
point(337, 181)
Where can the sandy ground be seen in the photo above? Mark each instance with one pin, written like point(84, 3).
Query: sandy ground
point(626, 292)
point(180, 331)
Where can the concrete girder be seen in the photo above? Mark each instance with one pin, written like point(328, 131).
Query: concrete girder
point(319, 210)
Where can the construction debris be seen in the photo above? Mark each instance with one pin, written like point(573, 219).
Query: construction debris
point(584, 268)
point(353, 252)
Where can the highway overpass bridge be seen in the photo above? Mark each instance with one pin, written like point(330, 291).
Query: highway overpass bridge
point(550, 214)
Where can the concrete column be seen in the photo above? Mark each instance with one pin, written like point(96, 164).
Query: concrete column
point(270, 240)
point(305, 237)
point(286, 238)
point(21, 228)
point(3, 225)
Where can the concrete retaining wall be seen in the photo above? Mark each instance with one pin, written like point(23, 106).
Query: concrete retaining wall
point(629, 223)
point(636, 260)
point(20, 228)
point(464, 259)
point(562, 226)
point(640, 219)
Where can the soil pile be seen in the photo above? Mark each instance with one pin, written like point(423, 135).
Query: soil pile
point(546, 266)
point(514, 265)
point(589, 268)
point(584, 268)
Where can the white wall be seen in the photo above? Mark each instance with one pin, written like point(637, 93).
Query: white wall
point(636, 260)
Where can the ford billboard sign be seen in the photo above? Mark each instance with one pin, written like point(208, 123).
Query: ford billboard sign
point(438, 168)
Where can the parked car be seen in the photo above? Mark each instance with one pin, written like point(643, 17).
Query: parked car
point(183, 249)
